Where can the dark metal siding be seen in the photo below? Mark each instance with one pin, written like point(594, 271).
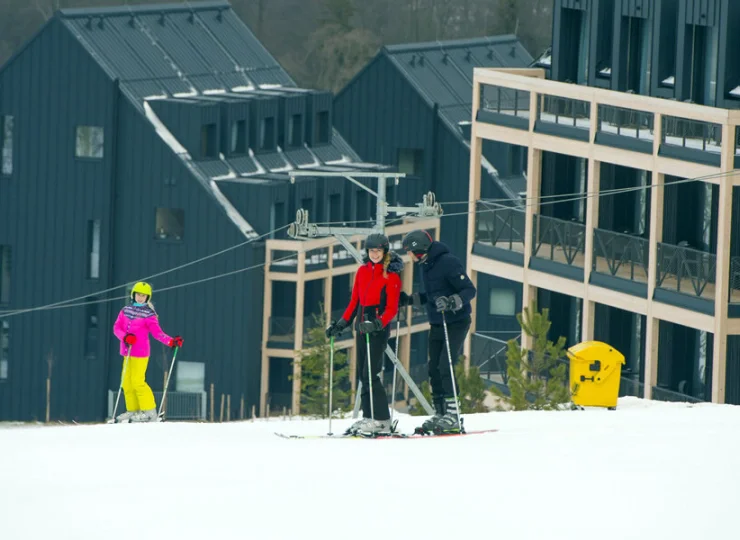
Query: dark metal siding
point(637, 8)
point(50, 88)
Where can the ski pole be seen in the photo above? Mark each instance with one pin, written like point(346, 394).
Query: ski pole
point(452, 370)
point(370, 376)
point(166, 385)
point(123, 375)
point(331, 379)
point(393, 386)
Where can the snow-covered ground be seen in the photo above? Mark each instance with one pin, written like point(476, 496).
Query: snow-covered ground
point(649, 470)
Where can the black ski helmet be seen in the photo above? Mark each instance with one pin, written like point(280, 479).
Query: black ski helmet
point(417, 242)
point(377, 241)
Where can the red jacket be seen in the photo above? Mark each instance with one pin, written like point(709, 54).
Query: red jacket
point(372, 290)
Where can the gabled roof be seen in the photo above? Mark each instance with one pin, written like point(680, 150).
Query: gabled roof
point(442, 71)
point(197, 50)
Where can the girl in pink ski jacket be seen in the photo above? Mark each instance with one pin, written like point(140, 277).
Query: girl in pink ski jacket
point(132, 327)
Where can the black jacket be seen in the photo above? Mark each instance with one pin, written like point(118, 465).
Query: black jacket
point(444, 275)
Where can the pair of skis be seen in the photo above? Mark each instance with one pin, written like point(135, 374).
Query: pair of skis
point(388, 436)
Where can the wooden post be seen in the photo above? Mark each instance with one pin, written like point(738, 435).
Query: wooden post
point(476, 147)
point(267, 415)
point(241, 409)
point(49, 364)
point(253, 412)
point(228, 408)
point(221, 414)
point(212, 398)
point(300, 291)
point(652, 324)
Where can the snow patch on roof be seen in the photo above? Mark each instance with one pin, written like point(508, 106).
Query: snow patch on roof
point(155, 97)
point(316, 161)
point(260, 168)
point(192, 93)
point(270, 85)
point(344, 159)
point(164, 133)
point(215, 91)
point(232, 212)
point(242, 88)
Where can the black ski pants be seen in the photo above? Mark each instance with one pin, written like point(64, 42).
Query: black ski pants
point(440, 377)
point(378, 343)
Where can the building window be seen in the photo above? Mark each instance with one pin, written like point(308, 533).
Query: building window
point(411, 161)
point(93, 249)
point(267, 133)
point(89, 142)
point(5, 274)
point(637, 33)
point(208, 141)
point(92, 325)
point(170, 223)
point(6, 156)
point(4, 349)
point(502, 302)
point(307, 204)
point(322, 127)
point(238, 143)
point(190, 377)
point(277, 217)
point(295, 129)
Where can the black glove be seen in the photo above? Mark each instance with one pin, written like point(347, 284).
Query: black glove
point(367, 327)
point(449, 303)
point(409, 299)
point(336, 328)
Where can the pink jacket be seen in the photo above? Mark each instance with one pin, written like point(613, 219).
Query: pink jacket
point(139, 321)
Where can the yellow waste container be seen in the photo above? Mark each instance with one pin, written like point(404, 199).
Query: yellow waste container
point(595, 371)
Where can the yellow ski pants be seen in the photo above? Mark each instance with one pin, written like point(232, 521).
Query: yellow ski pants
point(136, 391)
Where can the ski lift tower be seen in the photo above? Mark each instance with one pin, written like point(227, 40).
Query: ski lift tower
point(302, 229)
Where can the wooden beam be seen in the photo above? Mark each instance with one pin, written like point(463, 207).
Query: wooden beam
point(722, 279)
point(593, 187)
point(300, 293)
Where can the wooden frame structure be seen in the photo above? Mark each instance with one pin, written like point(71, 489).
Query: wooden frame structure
point(301, 275)
point(536, 141)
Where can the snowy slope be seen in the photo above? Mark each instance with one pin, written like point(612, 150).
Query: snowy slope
point(646, 471)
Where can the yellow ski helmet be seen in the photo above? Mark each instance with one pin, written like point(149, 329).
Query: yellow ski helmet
point(142, 288)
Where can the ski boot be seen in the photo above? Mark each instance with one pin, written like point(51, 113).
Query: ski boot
point(125, 418)
point(145, 416)
point(377, 428)
point(356, 427)
point(448, 424)
point(428, 426)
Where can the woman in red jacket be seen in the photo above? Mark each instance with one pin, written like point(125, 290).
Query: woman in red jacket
point(374, 301)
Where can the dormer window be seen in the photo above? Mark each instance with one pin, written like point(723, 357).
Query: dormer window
point(238, 138)
point(295, 130)
point(322, 127)
point(208, 146)
point(267, 133)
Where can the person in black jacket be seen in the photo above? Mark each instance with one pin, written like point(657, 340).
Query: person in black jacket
point(447, 290)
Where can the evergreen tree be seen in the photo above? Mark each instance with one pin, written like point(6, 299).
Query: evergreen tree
point(315, 374)
point(471, 387)
point(537, 377)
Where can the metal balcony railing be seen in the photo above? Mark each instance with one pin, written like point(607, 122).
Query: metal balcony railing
point(565, 111)
point(505, 100)
point(626, 122)
point(499, 225)
point(686, 270)
point(693, 134)
point(734, 280)
point(621, 255)
point(488, 354)
point(558, 240)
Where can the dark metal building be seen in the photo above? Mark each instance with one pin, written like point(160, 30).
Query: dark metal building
point(136, 140)
point(410, 108)
point(682, 50)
